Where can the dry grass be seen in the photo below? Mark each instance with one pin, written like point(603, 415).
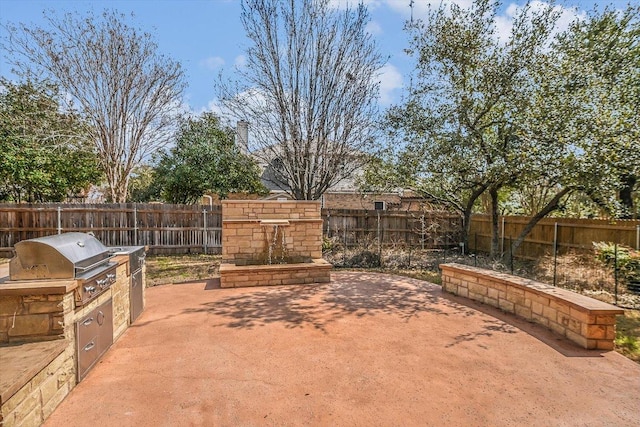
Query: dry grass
point(628, 335)
point(167, 269)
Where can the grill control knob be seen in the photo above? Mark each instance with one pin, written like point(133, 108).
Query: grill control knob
point(90, 289)
point(111, 277)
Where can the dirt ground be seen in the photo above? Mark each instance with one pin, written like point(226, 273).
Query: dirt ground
point(367, 349)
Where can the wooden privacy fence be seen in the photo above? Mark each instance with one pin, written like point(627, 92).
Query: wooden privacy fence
point(164, 228)
point(428, 230)
point(561, 234)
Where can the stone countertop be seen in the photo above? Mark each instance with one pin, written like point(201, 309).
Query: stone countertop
point(36, 287)
point(21, 362)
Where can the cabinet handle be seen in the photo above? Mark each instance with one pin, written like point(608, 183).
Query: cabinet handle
point(89, 346)
point(88, 321)
point(100, 318)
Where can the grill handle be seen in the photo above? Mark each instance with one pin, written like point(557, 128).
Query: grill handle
point(94, 265)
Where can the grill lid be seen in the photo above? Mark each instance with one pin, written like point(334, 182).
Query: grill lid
point(61, 256)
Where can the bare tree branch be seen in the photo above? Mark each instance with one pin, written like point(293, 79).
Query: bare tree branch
point(126, 90)
point(309, 91)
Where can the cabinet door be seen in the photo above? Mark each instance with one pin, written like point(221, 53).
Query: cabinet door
point(94, 335)
point(136, 295)
point(104, 318)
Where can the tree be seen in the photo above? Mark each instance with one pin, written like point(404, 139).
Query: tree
point(599, 67)
point(205, 159)
point(127, 92)
point(462, 120)
point(45, 154)
point(143, 185)
point(309, 91)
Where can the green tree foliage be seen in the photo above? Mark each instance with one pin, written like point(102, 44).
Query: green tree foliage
point(128, 93)
point(462, 119)
point(528, 119)
point(205, 159)
point(143, 187)
point(45, 154)
point(597, 77)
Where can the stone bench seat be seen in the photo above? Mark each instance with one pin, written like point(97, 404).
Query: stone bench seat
point(585, 321)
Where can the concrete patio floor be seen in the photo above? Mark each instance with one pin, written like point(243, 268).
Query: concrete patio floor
point(367, 349)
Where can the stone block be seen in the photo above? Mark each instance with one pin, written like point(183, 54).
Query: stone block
point(523, 312)
point(605, 345)
point(493, 293)
point(491, 301)
point(597, 332)
point(536, 307)
point(516, 298)
point(578, 339)
point(506, 305)
point(607, 319)
point(64, 389)
point(477, 289)
point(550, 313)
point(44, 307)
point(31, 324)
point(9, 304)
point(541, 320)
point(23, 412)
point(557, 328)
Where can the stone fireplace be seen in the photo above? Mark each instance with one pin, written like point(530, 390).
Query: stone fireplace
point(272, 242)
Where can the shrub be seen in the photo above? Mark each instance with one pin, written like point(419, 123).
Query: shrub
point(627, 262)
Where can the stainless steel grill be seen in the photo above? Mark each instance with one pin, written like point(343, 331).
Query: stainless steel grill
point(77, 256)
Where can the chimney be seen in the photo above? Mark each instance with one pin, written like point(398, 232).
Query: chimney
point(242, 136)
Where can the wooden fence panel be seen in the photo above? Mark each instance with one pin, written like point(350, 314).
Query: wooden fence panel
point(196, 228)
point(571, 234)
point(164, 228)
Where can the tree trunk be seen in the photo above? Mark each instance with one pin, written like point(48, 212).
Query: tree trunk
point(468, 210)
point(552, 205)
point(626, 195)
point(495, 233)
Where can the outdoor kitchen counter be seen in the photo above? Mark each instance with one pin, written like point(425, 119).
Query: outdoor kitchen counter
point(34, 287)
point(20, 363)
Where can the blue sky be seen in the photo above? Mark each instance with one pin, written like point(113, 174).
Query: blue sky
point(206, 36)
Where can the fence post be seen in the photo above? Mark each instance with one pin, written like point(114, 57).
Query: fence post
point(59, 220)
point(379, 242)
point(555, 252)
point(475, 250)
point(615, 272)
point(510, 255)
point(135, 224)
point(204, 230)
point(502, 240)
point(638, 237)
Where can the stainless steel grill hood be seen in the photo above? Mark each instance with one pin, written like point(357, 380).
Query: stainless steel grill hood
point(61, 256)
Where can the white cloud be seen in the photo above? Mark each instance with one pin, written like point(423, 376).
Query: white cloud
point(213, 62)
point(504, 22)
point(390, 82)
point(240, 61)
point(421, 8)
point(343, 4)
point(373, 28)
